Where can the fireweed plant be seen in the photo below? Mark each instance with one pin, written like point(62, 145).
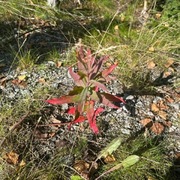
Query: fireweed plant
point(89, 88)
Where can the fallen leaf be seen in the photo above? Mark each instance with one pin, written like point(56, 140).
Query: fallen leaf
point(147, 122)
point(157, 128)
point(42, 80)
point(22, 84)
point(55, 121)
point(109, 159)
point(130, 160)
point(162, 106)
point(169, 99)
point(58, 64)
point(167, 123)
point(154, 108)
point(170, 69)
point(116, 28)
point(50, 135)
point(81, 166)
point(110, 148)
point(166, 24)
point(166, 74)
point(169, 63)
point(162, 114)
point(22, 77)
point(151, 65)
point(17, 82)
point(158, 15)
point(12, 158)
point(151, 49)
point(177, 156)
point(22, 163)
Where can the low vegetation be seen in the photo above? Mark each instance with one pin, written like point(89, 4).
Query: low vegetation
point(135, 41)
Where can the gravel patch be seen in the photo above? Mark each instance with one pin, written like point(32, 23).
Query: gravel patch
point(125, 121)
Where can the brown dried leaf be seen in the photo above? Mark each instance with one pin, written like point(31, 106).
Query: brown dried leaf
point(162, 114)
point(151, 65)
point(109, 159)
point(116, 28)
point(23, 84)
point(81, 166)
point(42, 80)
point(58, 64)
point(167, 123)
point(162, 106)
point(50, 135)
point(22, 163)
point(55, 121)
point(12, 158)
point(147, 122)
point(169, 63)
point(157, 128)
point(151, 49)
point(158, 15)
point(16, 81)
point(169, 99)
point(166, 74)
point(154, 108)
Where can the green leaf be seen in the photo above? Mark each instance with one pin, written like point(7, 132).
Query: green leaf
point(76, 177)
point(83, 98)
point(130, 160)
point(76, 90)
point(110, 148)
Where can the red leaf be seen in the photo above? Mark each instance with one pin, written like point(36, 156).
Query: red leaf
point(96, 67)
point(106, 72)
point(107, 99)
point(108, 103)
point(113, 98)
point(76, 77)
point(91, 115)
point(71, 110)
point(78, 120)
point(89, 58)
point(63, 99)
point(99, 85)
point(81, 60)
point(98, 111)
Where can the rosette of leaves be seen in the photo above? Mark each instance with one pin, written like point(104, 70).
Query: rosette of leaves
point(89, 88)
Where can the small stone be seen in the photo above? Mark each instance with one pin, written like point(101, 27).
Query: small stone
point(126, 131)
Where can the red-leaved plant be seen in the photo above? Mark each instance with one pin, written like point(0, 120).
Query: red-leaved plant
point(89, 78)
